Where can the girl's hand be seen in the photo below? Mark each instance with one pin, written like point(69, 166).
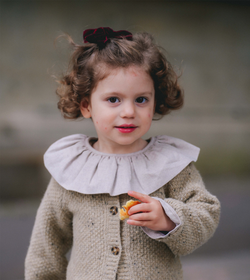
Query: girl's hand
point(149, 214)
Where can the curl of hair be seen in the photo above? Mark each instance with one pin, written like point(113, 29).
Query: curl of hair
point(91, 63)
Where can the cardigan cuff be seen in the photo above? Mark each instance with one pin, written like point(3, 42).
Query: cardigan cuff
point(170, 212)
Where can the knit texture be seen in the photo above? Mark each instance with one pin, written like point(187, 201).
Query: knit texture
point(103, 247)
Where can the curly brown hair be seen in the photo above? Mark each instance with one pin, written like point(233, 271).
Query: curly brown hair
point(91, 63)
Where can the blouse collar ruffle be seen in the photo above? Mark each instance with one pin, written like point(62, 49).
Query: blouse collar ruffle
point(77, 166)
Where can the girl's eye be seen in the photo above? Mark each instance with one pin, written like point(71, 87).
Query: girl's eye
point(113, 100)
point(141, 100)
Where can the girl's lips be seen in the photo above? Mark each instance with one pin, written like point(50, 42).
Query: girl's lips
point(126, 128)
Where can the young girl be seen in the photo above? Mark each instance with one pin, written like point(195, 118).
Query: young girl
point(120, 81)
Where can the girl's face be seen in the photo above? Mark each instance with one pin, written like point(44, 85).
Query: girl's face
point(122, 107)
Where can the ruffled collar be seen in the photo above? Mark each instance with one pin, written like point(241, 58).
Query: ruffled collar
point(77, 166)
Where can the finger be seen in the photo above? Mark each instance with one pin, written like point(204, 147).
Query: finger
point(137, 223)
point(142, 197)
point(143, 207)
point(140, 217)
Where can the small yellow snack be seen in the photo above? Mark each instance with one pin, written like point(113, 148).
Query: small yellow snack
point(123, 214)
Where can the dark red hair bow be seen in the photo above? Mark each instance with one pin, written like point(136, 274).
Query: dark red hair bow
point(103, 34)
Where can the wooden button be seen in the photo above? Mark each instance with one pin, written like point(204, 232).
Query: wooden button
point(113, 210)
point(115, 250)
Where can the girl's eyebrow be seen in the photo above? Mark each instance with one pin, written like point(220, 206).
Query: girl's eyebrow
point(120, 93)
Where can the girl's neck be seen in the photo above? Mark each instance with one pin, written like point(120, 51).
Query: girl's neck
point(120, 149)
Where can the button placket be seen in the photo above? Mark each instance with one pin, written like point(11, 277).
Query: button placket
point(113, 233)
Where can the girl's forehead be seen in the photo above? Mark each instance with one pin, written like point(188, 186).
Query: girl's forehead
point(132, 70)
point(129, 80)
point(133, 78)
point(128, 74)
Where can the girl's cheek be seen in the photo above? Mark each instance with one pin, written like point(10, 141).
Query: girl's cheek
point(97, 124)
point(100, 126)
point(150, 114)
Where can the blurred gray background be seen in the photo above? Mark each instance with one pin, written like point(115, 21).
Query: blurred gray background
point(207, 41)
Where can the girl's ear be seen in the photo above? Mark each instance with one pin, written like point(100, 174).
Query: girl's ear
point(85, 108)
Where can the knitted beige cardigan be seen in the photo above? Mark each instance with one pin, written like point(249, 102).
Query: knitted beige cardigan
point(103, 247)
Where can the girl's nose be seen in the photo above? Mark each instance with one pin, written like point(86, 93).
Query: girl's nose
point(128, 110)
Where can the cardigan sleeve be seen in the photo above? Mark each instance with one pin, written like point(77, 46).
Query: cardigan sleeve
point(51, 237)
point(198, 210)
